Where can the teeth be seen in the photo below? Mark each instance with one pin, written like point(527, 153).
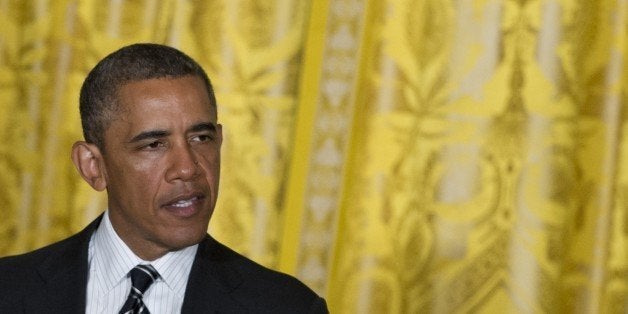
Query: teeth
point(184, 203)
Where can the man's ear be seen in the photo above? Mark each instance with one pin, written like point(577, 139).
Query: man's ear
point(87, 159)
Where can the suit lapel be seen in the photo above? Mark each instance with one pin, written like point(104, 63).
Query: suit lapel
point(211, 281)
point(64, 274)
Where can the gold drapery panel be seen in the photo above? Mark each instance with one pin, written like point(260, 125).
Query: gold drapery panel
point(399, 156)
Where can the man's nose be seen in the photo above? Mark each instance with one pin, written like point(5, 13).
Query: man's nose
point(183, 164)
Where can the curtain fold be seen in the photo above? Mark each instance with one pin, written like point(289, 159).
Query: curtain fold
point(398, 156)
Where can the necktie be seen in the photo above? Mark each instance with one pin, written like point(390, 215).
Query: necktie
point(142, 276)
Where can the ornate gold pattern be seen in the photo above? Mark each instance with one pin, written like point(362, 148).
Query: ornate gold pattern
point(463, 156)
point(477, 197)
point(330, 141)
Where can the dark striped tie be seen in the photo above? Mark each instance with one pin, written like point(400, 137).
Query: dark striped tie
point(142, 276)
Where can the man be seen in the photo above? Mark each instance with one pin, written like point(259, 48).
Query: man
point(152, 141)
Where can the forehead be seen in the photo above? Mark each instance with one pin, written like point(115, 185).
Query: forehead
point(172, 97)
point(167, 104)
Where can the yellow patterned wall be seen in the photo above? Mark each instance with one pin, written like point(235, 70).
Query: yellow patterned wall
point(399, 156)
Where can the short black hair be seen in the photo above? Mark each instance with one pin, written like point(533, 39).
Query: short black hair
point(98, 101)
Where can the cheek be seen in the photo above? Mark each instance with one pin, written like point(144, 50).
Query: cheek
point(147, 177)
point(142, 165)
point(147, 165)
point(137, 177)
point(212, 169)
point(210, 159)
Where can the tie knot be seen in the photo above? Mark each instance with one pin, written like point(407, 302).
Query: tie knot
point(142, 276)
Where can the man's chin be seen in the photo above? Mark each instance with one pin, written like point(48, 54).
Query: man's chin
point(178, 242)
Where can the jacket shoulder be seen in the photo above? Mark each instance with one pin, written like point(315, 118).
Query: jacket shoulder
point(264, 289)
point(74, 244)
point(21, 268)
point(26, 274)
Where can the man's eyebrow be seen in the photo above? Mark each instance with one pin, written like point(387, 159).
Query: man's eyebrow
point(203, 126)
point(152, 134)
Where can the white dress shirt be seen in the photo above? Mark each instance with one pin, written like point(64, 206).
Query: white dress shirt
point(110, 260)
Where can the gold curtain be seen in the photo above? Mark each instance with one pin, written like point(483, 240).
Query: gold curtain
point(399, 156)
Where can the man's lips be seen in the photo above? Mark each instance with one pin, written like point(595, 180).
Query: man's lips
point(184, 205)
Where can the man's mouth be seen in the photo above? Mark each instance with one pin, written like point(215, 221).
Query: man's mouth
point(185, 205)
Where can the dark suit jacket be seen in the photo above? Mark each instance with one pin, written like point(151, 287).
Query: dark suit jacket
point(53, 279)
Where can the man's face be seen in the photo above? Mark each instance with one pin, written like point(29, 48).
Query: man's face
point(161, 164)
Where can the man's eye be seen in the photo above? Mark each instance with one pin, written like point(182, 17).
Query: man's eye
point(201, 138)
point(153, 145)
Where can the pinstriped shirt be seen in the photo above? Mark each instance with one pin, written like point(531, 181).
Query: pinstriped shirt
point(110, 260)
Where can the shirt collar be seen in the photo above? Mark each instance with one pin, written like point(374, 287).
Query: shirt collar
point(113, 259)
